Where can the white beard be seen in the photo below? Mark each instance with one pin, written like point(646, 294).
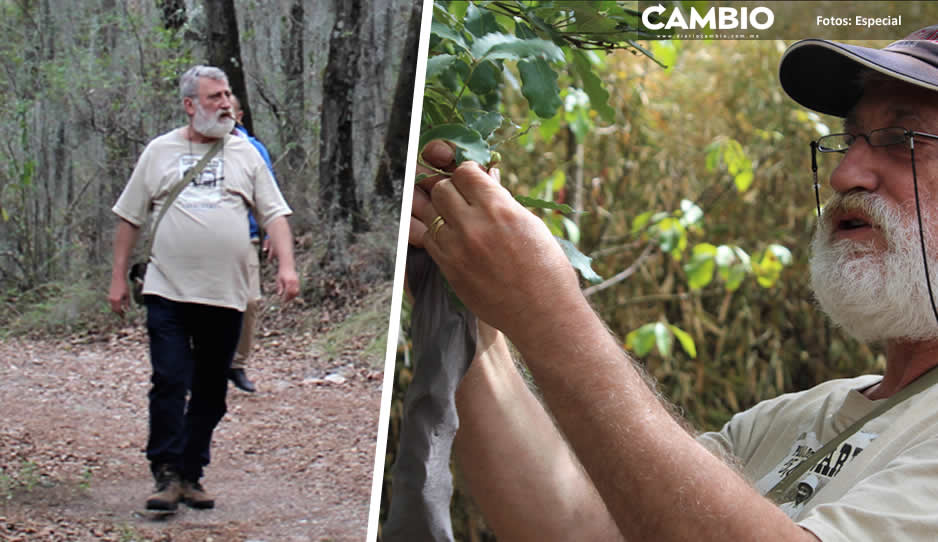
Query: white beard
point(213, 126)
point(876, 295)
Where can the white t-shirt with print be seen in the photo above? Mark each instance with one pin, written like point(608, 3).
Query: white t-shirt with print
point(201, 252)
point(880, 484)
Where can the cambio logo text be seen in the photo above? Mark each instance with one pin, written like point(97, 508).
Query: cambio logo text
point(716, 18)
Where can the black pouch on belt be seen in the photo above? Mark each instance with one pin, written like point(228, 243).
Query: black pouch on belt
point(137, 272)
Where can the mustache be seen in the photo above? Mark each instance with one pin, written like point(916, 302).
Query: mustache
point(871, 205)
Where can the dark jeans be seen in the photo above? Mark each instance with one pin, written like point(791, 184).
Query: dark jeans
point(191, 347)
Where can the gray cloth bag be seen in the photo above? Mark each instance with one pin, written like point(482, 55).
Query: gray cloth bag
point(444, 336)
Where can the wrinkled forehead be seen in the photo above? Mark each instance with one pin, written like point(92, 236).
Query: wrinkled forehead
point(209, 86)
point(894, 104)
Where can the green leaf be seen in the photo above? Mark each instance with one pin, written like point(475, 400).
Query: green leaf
point(579, 261)
point(640, 221)
point(444, 32)
point(593, 86)
point(524, 31)
point(485, 78)
point(454, 76)
point(535, 203)
point(699, 270)
point(480, 22)
point(497, 46)
point(743, 180)
point(705, 249)
point(767, 271)
point(458, 9)
point(769, 268)
point(663, 339)
point(539, 86)
point(713, 156)
point(484, 122)
point(734, 277)
point(438, 64)
point(468, 141)
point(687, 342)
point(433, 110)
point(641, 340)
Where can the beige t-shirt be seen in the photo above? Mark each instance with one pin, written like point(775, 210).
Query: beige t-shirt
point(880, 484)
point(201, 250)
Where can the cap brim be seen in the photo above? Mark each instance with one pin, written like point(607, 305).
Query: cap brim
point(824, 75)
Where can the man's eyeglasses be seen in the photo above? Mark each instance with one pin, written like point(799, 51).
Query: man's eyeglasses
point(883, 137)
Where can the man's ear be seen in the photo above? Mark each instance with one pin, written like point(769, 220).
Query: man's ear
point(189, 105)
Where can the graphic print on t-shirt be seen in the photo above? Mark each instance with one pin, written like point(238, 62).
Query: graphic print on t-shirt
point(205, 191)
point(817, 476)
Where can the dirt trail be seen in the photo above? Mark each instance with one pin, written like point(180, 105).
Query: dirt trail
point(291, 463)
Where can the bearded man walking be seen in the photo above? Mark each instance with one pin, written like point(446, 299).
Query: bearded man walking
point(196, 283)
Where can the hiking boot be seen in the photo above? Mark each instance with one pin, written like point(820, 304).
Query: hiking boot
point(168, 490)
point(194, 495)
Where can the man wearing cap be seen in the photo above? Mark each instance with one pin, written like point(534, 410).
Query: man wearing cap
point(605, 459)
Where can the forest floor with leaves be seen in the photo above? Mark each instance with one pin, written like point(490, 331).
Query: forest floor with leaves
point(292, 462)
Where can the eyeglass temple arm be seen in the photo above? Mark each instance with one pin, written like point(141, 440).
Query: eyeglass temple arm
point(817, 189)
point(923, 134)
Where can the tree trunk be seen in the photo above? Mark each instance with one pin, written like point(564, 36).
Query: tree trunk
point(389, 181)
point(223, 46)
point(337, 194)
point(294, 102)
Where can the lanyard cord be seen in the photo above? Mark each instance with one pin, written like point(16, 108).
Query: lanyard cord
point(921, 230)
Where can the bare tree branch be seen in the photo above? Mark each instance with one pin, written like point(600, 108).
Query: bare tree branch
point(628, 272)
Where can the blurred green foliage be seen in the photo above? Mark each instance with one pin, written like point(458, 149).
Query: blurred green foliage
point(692, 194)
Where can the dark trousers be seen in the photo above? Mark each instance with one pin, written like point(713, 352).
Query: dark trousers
point(191, 347)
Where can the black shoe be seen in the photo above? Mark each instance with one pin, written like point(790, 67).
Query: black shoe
point(241, 380)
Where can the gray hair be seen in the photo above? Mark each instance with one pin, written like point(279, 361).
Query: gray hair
point(189, 82)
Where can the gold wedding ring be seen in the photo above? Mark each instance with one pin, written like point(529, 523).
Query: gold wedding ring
point(435, 226)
